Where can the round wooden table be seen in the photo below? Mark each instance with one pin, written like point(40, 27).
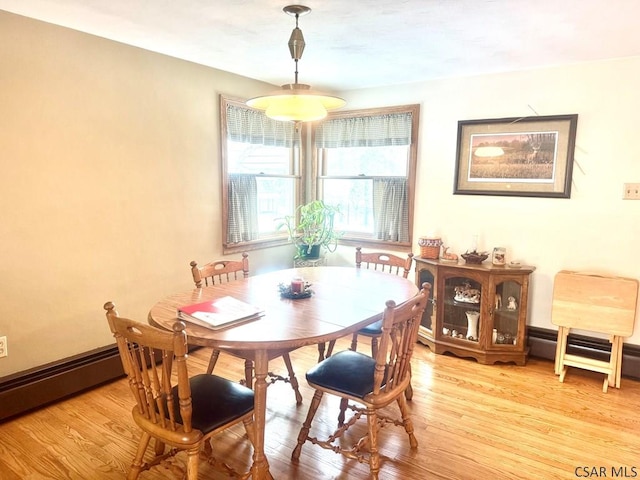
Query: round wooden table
point(344, 300)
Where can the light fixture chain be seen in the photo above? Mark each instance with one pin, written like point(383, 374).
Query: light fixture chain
point(295, 101)
point(295, 76)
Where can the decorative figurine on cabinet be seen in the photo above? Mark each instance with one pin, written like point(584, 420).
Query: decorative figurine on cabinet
point(448, 257)
point(512, 304)
point(465, 293)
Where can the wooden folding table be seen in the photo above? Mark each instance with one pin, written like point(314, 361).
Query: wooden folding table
point(595, 303)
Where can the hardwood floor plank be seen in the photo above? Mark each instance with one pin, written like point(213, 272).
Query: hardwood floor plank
point(472, 422)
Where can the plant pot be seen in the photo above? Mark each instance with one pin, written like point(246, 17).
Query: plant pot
point(305, 252)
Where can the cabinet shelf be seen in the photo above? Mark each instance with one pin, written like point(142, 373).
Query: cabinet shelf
point(498, 333)
point(460, 339)
point(455, 303)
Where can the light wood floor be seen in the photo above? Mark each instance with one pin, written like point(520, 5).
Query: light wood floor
point(473, 422)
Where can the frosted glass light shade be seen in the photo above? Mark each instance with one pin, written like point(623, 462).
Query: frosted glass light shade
point(296, 107)
point(296, 102)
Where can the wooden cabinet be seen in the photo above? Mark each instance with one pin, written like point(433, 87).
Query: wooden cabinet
point(477, 311)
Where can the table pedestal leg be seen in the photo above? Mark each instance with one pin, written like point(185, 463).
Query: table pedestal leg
point(260, 467)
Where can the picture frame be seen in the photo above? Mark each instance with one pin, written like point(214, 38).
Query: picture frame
point(525, 157)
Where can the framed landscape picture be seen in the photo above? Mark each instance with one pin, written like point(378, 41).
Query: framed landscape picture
point(526, 157)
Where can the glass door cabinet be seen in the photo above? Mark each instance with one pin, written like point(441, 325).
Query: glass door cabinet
point(478, 311)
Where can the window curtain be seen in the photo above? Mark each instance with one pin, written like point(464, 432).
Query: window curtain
point(390, 195)
point(372, 131)
point(391, 209)
point(250, 126)
point(243, 208)
point(253, 126)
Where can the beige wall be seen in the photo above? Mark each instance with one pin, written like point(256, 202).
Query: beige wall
point(109, 184)
point(594, 230)
point(110, 179)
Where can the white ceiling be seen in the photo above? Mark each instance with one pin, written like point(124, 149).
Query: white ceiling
point(359, 43)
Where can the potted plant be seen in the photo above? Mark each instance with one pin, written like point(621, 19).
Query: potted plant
point(314, 228)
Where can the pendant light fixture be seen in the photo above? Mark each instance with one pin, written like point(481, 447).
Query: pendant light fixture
point(296, 102)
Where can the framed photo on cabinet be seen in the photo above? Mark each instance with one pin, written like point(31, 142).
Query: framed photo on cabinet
point(525, 157)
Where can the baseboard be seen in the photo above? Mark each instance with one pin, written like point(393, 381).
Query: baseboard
point(31, 389)
point(40, 386)
point(542, 344)
point(35, 388)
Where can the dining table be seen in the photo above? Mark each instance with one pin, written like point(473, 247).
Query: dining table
point(342, 300)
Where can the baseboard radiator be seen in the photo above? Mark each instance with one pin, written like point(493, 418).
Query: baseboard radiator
point(43, 385)
point(40, 386)
point(542, 344)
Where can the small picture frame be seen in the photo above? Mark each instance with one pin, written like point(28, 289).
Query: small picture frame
point(526, 157)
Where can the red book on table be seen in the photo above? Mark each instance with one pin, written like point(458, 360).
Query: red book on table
point(220, 313)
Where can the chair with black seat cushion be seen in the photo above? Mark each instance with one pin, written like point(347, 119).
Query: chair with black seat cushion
point(223, 271)
point(372, 383)
point(180, 417)
point(384, 262)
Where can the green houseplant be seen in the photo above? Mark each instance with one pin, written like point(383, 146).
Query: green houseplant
point(311, 228)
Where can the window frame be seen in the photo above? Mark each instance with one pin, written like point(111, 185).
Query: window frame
point(318, 167)
point(298, 167)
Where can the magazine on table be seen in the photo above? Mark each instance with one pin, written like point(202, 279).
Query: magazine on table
point(220, 313)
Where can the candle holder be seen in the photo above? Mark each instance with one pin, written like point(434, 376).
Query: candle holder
point(286, 291)
point(297, 285)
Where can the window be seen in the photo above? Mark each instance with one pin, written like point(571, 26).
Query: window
point(261, 175)
point(367, 161)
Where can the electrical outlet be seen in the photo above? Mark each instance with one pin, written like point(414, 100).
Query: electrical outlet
point(3, 347)
point(631, 191)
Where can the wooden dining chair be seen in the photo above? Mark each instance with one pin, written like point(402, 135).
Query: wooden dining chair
point(180, 416)
point(384, 262)
point(223, 271)
point(371, 383)
point(220, 271)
